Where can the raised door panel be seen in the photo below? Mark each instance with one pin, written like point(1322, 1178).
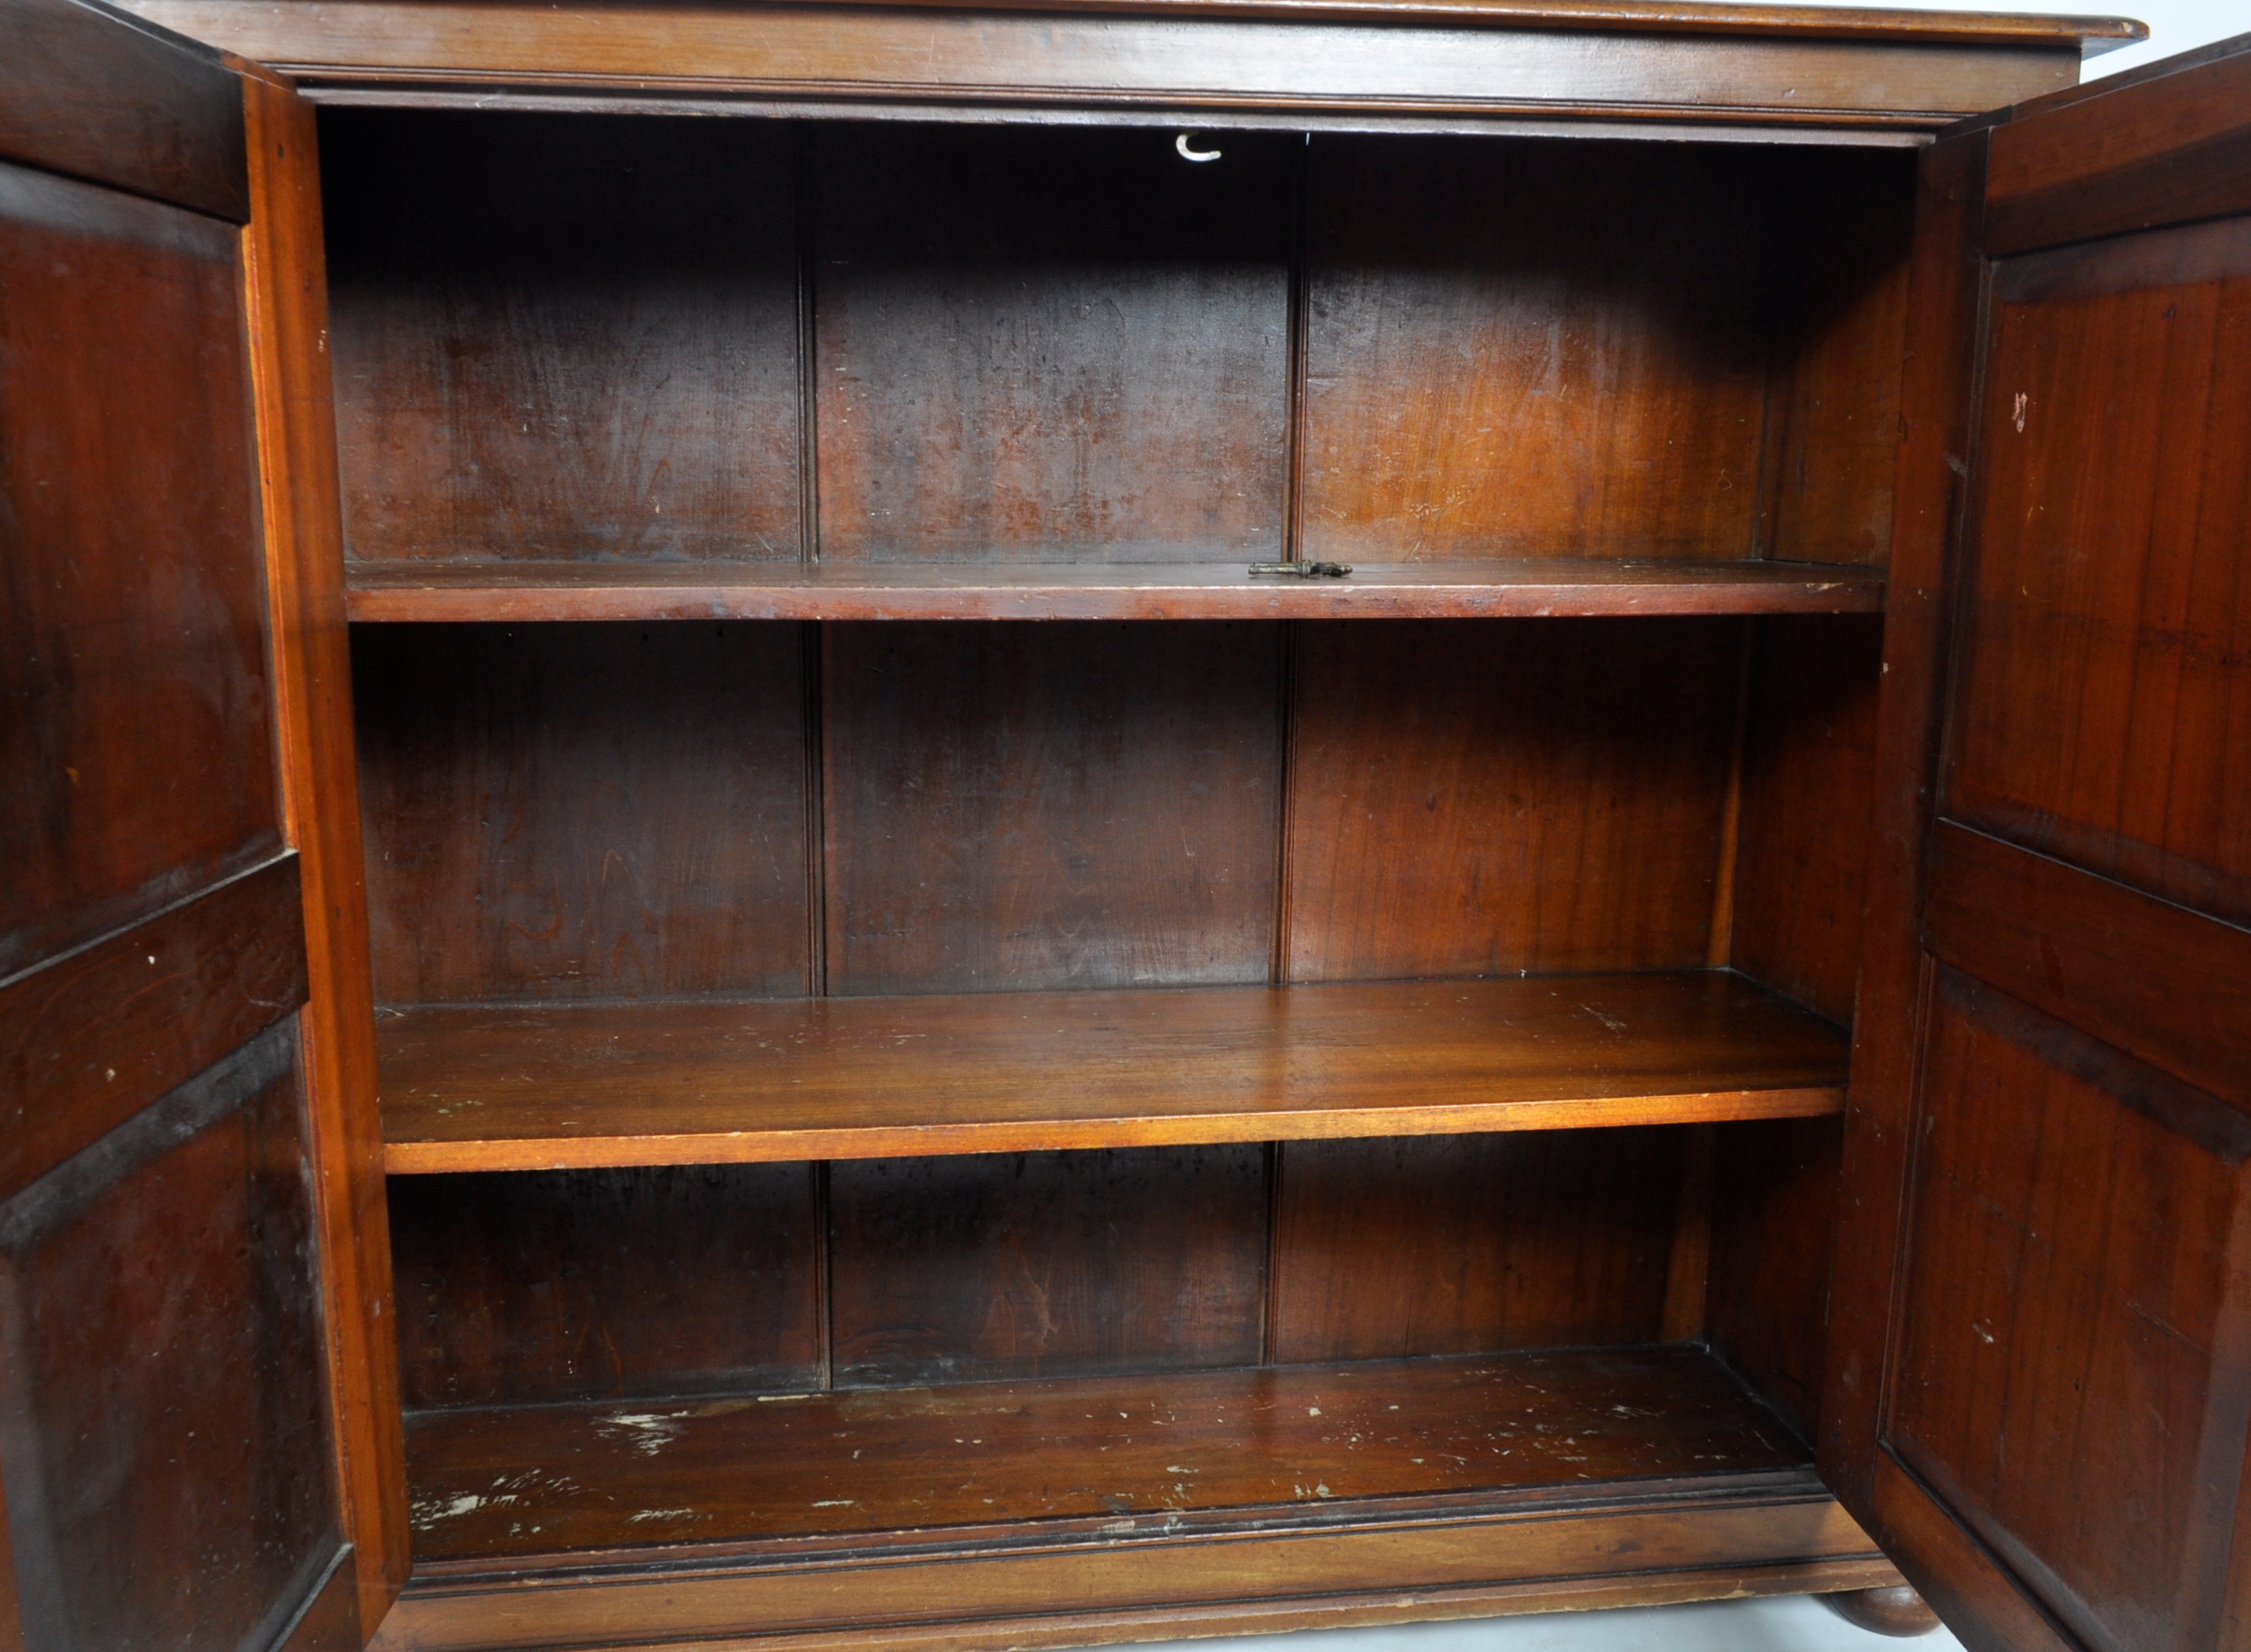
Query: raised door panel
point(166, 1414)
point(2039, 1388)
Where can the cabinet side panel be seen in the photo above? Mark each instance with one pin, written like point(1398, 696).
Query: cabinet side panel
point(1774, 1224)
point(619, 1284)
point(1809, 774)
point(562, 338)
point(1051, 344)
point(584, 812)
point(1469, 798)
point(1472, 1244)
point(1054, 805)
point(1833, 408)
point(1047, 1264)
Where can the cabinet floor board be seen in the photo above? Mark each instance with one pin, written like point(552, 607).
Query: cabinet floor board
point(526, 591)
point(794, 1477)
point(552, 1087)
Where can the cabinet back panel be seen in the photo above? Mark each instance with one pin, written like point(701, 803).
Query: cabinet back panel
point(605, 1284)
point(578, 812)
point(1047, 1264)
point(1472, 1244)
point(1474, 798)
point(1050, 344)
point(563, 338)
point(1055, 805)
point(1532, 348)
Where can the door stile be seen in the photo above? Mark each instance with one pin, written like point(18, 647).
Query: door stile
point(1946, 307)
point(285, 303)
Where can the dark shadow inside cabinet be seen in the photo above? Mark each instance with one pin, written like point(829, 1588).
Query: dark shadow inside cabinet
point(626, 340)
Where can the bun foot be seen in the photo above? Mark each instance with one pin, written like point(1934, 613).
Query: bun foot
point(1897, 1610)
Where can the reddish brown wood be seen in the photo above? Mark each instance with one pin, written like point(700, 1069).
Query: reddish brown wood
point(567, 340)
point(1691, 1548)
point(1029, 806)
point(1833, 409)
point(2171, 986)
point(2068, 1379)
point(1809, 780)
point(1563, 787)
point(1046, 1264)
point(1223, 1450)
point(168, 1462)
point(212, 971)
point(1542, 587)
point(331, 1621)
point(618, 1285)
point(2105, 690)
point(1895, 1611)
point(568, 813)
point(2166, 149)
point(1050, 345)
point(1446, 1245)
point(1801, 70)
point(1774, 1223)
point(1472, 391)
point(1661, 16)
point(611, 1085)
point(135, 107)
point(1944, 286)
point(138, 741)
point(311, 662)
point(1954, 1572)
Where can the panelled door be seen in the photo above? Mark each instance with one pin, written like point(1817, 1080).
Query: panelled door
point(168, 1416)
point(2039, 1391)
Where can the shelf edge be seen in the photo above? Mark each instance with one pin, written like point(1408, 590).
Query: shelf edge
point(1016, 1135)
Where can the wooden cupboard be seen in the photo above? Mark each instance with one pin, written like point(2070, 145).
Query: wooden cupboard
point(691, 960)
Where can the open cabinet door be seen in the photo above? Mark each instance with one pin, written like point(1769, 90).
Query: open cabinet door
point(195, 1369)
point(2040, 1380)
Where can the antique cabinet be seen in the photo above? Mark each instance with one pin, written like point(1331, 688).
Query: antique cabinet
point(688, 957)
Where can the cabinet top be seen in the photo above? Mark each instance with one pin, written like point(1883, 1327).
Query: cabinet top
point(1593, 67)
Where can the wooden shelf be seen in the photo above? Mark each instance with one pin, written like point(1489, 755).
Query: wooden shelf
point(1102, 1458)
point(523, 592)
point(562, 1087)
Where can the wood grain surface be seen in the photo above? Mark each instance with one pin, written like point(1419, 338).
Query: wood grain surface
point(1472, 1244)
point(570, 340)
point(1212, 589)
point(473, 1088)
point(584, 812)
point(1799, 70)
point(284, 253)
point(1086, 805)
point(1221, 1450)
point(1478, 800)
point(1041, 1265)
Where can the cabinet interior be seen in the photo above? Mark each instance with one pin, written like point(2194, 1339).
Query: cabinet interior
point(615, 867)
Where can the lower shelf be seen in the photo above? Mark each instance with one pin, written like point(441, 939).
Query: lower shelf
point(1213, 1498)
point(599, 1085)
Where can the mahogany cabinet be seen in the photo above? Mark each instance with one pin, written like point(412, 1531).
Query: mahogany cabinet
point(689, 958)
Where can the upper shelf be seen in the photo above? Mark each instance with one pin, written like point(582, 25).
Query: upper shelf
point(528, 591)
point(600, 1085)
